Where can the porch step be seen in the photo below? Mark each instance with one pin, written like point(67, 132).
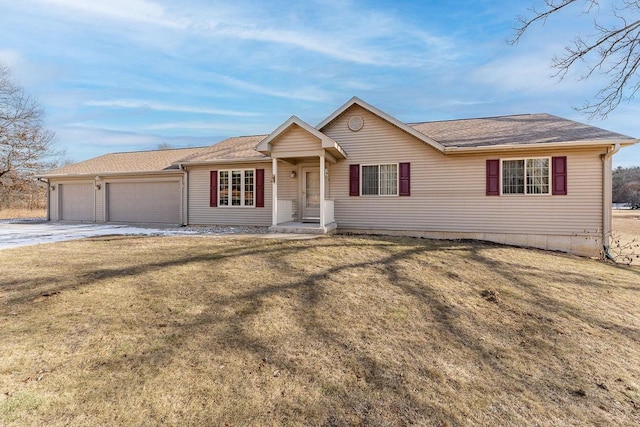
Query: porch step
point(302, 228)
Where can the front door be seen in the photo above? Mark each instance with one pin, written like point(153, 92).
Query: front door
point(311, 194)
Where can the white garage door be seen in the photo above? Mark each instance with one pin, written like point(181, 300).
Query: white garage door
point(77, 202)
point(154, 202)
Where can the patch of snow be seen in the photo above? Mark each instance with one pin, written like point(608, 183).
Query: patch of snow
point(25, 233)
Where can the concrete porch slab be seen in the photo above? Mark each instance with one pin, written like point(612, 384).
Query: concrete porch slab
point(299, 227)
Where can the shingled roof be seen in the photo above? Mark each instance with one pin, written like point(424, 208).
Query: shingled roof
point(231, 149)
point(133, 162)
point(521, 129)
point(514, 130)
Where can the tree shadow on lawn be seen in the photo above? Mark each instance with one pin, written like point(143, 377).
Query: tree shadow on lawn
point(355, 379)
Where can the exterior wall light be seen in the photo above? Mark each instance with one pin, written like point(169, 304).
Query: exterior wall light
point(293, 174)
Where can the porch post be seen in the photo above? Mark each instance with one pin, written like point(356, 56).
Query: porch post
point(274, 192)
point(322, 224)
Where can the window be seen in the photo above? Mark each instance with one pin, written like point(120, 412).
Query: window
point(236, 187)
point(525, 176)
point(380, 180)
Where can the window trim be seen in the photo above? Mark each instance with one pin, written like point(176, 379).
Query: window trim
point(549, 176)
point(242, 190)
point(397, 164)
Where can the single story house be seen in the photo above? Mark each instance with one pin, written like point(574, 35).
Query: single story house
point(532, 180)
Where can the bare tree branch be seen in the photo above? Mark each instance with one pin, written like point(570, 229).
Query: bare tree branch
point(26, 146)
point(613, 51)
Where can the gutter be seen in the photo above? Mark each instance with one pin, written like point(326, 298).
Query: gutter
point(606, 195)
point(223, 161)
point(109, 174)
point(537, 146)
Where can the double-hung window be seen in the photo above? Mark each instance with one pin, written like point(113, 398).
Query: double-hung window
point(236, 187)
point(380, 180)
point(526, 176)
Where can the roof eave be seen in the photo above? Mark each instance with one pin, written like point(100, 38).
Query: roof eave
point(538, 146)
point(224, 161)
point(105, 174)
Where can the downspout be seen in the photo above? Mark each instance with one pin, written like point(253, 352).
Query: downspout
point(606, 196)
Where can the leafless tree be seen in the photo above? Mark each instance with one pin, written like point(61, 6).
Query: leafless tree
point(612, 50)
point(26, 146)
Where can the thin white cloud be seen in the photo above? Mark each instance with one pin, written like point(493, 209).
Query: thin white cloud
point(303, 94)
point(344, 32)
point(387, 43)
point(226, 128)
point(10, 58)
point(128, 10)
point(317, 43)
point(160, 106)
point(86, 141)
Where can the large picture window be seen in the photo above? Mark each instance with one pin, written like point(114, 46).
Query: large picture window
point(525, 176)
point(380, 180)
point(236, 187)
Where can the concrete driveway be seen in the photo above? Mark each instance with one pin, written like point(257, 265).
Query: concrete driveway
point(15, 234)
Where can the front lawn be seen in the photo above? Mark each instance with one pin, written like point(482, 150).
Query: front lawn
point(333, 331)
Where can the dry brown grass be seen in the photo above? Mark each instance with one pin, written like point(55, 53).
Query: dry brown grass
point(332, 331)
point(625, 242)
point(627, 222)
point(6, 213)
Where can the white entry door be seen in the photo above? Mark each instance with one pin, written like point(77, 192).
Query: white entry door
point(311, 194)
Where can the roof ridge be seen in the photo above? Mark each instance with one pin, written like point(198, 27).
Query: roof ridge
point(478, 118)
point(152, 151)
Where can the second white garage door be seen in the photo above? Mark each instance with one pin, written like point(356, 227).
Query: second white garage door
point(76, 202)
point(153, 202)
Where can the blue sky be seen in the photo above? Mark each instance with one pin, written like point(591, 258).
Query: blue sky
point(123, 75)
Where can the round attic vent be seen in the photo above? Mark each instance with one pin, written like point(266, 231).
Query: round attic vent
point(356, 123)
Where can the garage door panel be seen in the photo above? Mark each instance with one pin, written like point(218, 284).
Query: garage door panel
point(154, 202)
point(76, 202)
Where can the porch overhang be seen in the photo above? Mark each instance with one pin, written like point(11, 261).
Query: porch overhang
point(327, 147)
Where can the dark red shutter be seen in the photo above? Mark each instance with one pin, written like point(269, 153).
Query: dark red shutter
point(260, 188)
point(213, 189)
point(405, 179)
point(354, 180)
point(559, 176)
point(493, 177)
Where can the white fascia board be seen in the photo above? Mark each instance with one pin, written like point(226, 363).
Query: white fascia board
point(225, 161)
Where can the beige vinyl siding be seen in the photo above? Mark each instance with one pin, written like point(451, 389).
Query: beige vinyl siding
point(448, 192)
point(53, 201)
point(200, 213)
point(100, 202)
point(294, 140)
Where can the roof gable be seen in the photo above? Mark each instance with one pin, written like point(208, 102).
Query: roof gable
point(327, 143)
point(384, 116)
